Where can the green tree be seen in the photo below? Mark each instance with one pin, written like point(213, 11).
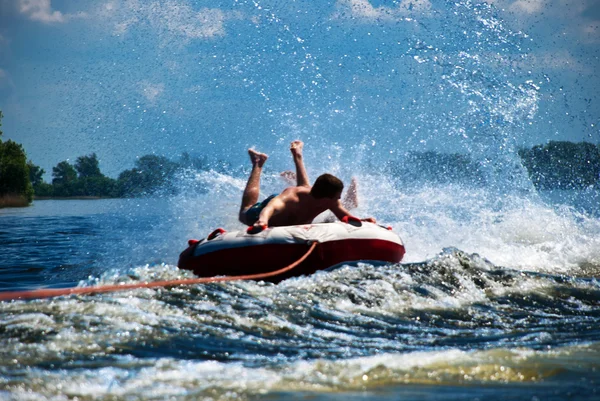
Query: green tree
point(64, 173)
point(193, 162)
point(91, 181)
point(35, 174)
point(152, 174)
point(434, 167)
point(88, 166)
point(562, 165)
point(15, 186)
point(14, 173)
point(64, 179)
point(95, 186)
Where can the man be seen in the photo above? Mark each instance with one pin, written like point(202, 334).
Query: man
point(298, 204)
point(350, 200)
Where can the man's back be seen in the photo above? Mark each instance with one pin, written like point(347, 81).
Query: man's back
point(296, 205)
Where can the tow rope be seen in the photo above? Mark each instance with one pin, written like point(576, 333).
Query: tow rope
point(57, 292)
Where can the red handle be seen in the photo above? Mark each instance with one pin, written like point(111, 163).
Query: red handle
point(192, 242)
point(256, 229)
point(215, 233)
point(353, 221)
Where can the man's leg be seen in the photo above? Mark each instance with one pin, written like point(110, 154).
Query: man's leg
point(252, 190)
point(301, 176)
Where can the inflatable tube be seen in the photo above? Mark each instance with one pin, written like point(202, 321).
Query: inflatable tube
point(237, 253)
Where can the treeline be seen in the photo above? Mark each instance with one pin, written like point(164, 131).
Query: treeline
point(563, 165)
point(556, 165)
point(437, 168)
point(151, 175)
point(21, 179)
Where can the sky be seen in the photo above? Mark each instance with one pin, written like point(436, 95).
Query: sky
point(372, 79)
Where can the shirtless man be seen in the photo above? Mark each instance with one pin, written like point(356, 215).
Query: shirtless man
point(350, 200)
point(295, 205)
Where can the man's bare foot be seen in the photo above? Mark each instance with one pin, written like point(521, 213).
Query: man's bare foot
point(257, 158)
point(351, 198)
point(289, 177)
point(296, 148)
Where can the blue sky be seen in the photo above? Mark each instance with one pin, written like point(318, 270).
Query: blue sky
point(127, 78)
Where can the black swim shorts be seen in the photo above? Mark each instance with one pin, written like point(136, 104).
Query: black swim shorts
point(253, 212)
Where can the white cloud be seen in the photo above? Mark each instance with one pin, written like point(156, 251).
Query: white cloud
point(4, 48)
point(592, 31)
point(563, 60)
point(194, 89)
point(181, 20)
point(364, 10)
point(554, 60)
point(528, 6)
point(6, 83)
point(41, 11)
point(415, 5)
point(151, 91)
point(173, 20)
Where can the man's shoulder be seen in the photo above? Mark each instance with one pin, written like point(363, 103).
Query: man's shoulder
point(297, 190)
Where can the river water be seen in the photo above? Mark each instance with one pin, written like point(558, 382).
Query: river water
point(498, 296)
point(493, 300)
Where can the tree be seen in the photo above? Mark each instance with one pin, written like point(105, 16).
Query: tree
point(91, 181)
point(158, 166)
point(188, 161)
point(150, 175)
point(130, 183)
point(95, 186)
point(434, 167)
point(63, 173)
point(35, 173)
point(562, 165)
point(15, 186)
point(88, 166)
point(40, 188)
point(64, 178)
point(14, 173)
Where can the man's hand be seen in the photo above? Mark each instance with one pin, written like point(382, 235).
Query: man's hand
point(261, 223)
point(369, 220)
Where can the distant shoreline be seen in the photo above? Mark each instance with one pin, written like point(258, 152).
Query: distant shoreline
point(18, 202)
point(70, 197)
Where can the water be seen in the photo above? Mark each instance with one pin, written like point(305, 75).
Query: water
point(498, 296)
point(517, 320)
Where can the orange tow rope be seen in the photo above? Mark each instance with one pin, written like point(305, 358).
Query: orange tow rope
point(57, 292)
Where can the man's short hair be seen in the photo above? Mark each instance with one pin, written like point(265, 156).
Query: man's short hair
point(327, 186)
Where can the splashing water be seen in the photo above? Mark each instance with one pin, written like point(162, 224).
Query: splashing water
point(498, 292)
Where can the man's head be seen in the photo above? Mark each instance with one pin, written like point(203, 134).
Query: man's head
point(327, 186)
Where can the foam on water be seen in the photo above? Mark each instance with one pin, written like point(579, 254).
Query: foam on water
point(498, 284)
point(455, 319)
point(516, 229)
point(168, 377)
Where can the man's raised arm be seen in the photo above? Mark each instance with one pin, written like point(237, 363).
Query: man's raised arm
point(301, 175)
